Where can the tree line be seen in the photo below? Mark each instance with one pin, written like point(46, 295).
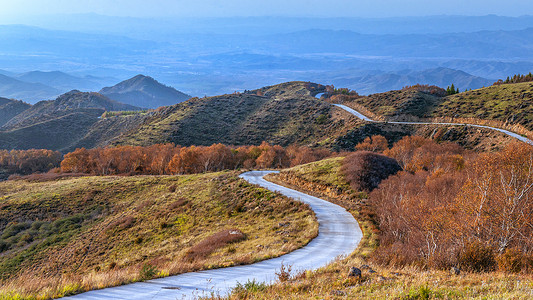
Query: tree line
point(26, 162)
point(164, 159)
point(517, 78)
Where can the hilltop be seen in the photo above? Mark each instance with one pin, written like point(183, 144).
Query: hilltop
point(508, 103)
point(290, 114)
point(295, 117)
point(144, 91)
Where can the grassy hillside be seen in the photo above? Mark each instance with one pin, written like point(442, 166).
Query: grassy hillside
point(65, 236)
point(244, 119)
point(70, 121)
point(282, 114)
point(57, 133)
point(400, 104)
point(508, 102)
point(289, 114)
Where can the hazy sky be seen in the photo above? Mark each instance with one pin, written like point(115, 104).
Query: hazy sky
point(323, 8)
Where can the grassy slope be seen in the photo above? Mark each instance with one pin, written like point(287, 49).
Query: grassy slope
point(512, 102)
point(508, 102)
point(70, 235)
point(54, 133)
point(332, 282)
point(243, 120)
point(402, 104)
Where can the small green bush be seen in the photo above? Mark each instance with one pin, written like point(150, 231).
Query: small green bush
point(147, 272)
point(249, 287)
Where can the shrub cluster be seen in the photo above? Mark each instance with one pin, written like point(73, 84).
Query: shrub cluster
point(453, 208)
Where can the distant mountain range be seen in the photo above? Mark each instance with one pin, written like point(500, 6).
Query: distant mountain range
point(63, 81)
point(144, 91)
point(27, 91)
point(443, 77)
point(228, 59)
point(140, 91)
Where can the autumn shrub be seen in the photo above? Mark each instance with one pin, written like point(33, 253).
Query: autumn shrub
point(477, 257)
point(365, 170)
point(511, 260)
point(214, 242)
point(376, 143)
point(415, 153)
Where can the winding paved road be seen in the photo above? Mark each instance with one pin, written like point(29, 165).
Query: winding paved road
point(365, 118)
point(339, 234)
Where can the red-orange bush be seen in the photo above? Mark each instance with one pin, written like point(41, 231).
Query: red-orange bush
point(213, 242)
point(364, 170)
point(376, 143)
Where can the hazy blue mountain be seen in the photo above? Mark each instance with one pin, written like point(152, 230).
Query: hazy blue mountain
point(144, 91)
point(7, 73)
point(377, 82)
point(30, 92)
point(63, 81)
point(211, 62)
point(165, 28)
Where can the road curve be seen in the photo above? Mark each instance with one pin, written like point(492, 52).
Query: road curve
point(365, 118)
point(339, 234)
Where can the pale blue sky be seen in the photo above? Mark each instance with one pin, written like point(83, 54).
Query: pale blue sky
point(216, 8)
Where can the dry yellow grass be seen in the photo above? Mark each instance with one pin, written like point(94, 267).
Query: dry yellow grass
point(79, 234)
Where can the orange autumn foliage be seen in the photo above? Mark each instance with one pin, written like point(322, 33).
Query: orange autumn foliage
point(448, 210)
point(169, 159)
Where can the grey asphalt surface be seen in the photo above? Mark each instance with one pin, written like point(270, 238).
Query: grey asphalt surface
point(339, 235)
point(365, 118)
